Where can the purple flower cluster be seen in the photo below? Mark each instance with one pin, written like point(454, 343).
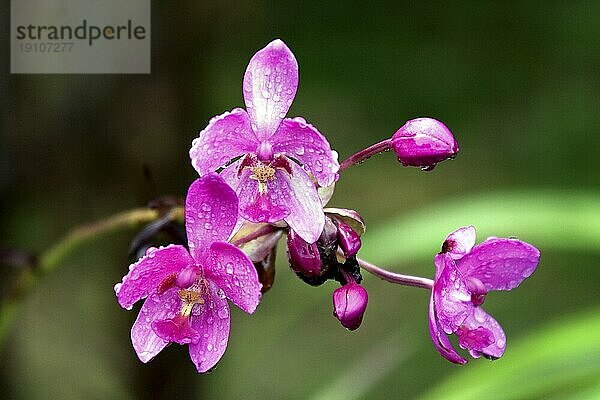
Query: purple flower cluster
point(263, 176)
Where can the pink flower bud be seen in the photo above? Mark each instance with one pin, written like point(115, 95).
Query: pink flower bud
point(304, 257)
point(348, 239)
point(349, 304)
point(424, 142)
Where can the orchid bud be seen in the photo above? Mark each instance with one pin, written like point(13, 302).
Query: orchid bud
point(304, 257)
point(424, 142)
point(314, 262)
point(348, 239)
point(349, 304)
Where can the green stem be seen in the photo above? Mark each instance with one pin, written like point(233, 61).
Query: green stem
point(54, 256)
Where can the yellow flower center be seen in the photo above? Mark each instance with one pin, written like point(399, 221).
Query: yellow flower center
point(190, 297)
point(262, 174)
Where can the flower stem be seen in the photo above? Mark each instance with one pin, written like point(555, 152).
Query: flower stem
point(364, 154)
point(393, 277)
point(54, 256)
point(263, 230)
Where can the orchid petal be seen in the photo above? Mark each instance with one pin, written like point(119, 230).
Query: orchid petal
point(210, 213)
point(349, 217)
point(270, 84)
point(482, 335)
point(460, 242)
point(176, 330)
point(231, 176)
point(146, 275)
point(232, 271)
point(297, 139)
point(500, 264)
point(451, 297)
point(146, 342)
point(440, 339)
point(211, 321)
point(227, 136)
point(306, 216)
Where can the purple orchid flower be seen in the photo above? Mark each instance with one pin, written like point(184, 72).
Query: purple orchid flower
point(464, 275)
point(279, 158)
point(186, 293)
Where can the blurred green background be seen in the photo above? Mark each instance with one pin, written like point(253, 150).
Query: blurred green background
point(517, 82)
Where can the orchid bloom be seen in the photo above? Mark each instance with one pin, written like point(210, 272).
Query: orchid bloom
point(186, 292)
point(464, 275)
point(279, 158)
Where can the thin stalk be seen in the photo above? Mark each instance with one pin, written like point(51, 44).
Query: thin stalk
point(263, 230)
point(364, 154)
point(55, 255)
point(393, 277)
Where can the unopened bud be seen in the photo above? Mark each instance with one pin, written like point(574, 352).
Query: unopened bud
point(349, 304)
point(304, 257)
point(424, 142)
point(348, 239)
point(315, 262)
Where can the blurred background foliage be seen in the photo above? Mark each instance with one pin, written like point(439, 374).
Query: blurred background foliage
point(517, 83)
